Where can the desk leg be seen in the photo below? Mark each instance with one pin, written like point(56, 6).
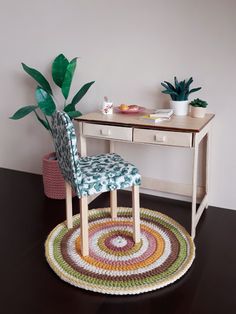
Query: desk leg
point(197, 213)
point(208, 145)
point(82, 140)
point(194, 186)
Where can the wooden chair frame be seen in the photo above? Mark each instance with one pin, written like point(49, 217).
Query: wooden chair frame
point(84, 215)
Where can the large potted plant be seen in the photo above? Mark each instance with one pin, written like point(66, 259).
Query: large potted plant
point(62, 74)
point(179, 93)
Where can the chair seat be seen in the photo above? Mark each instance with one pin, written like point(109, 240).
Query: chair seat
point(106, 172)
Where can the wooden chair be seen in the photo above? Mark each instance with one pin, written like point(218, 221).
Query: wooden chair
point(91, 175)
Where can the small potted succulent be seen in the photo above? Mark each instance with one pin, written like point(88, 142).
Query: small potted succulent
point(179, 93)
point(198, 108)
point(62, 74)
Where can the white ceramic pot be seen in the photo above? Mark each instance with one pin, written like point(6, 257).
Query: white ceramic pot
point(180, 107)
point(198, 112)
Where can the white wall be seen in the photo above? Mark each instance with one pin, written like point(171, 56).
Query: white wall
point(128, 47)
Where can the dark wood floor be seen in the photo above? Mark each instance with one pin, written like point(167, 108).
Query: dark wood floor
point(28, 285)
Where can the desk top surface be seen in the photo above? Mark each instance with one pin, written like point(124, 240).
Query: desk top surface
point(176, 123)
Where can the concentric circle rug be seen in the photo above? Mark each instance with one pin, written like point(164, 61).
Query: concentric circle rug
point(116, 265)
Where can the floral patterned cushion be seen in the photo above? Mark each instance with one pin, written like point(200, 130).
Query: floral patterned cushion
point(66, 148)
point(106, 172)
point(89, 175)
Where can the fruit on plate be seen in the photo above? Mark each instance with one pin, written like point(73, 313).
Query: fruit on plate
point(129, 108)
point(123, 107)
point(133, 108)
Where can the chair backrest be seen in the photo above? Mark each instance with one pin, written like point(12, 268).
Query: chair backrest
point(66, 148)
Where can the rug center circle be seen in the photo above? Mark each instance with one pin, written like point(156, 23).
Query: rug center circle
point(119, 241)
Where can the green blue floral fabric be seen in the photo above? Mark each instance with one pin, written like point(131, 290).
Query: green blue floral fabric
point(66, 148)
point(92, 174)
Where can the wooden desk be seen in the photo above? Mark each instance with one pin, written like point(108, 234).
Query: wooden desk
point(178, 132)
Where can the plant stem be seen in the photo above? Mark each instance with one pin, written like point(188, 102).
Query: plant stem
point(50, 129)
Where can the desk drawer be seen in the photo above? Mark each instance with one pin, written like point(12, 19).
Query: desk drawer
point(107, 131)
point(163, 137)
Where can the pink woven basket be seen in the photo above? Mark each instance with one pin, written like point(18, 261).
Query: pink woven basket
point(54, 183)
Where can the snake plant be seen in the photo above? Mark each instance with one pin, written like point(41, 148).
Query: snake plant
point(180, 90)
point(62, 74)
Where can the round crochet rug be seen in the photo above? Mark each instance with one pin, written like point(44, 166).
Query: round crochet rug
point(116, 265)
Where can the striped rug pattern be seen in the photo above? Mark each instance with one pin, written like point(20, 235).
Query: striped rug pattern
point(116, 265)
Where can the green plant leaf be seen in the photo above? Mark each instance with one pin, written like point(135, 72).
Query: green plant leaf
point(59, 67)
point(166, 87)
point(38, 78)
point(70, 70)
point(45, 101)
point(169, 92)
point(176, 82)
point(194, 90)
point(189, 82)
point(181, 91)
point(22, 112)
point(74, 114)
point(182, 84)
point(43, 122)
point(80, 94)
point(182, 97)
point(170, 85)
point(69, 108)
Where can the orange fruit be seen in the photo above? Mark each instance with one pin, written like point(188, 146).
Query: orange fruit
point(123, 107)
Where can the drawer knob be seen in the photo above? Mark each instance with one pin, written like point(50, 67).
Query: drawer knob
point(105, 132)
point(160, 138)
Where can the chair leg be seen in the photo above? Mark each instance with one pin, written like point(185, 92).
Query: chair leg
point(84, 225)
point(113, 204)
point(69, 213)
point(136, 213)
